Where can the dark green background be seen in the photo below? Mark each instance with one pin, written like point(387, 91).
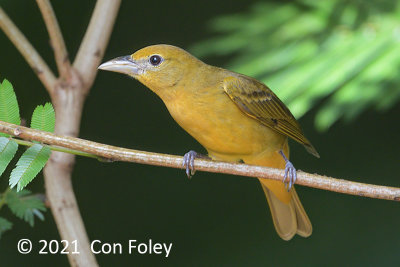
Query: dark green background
point(214, 219)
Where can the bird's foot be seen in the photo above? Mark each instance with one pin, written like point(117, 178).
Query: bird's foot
point(188, 162)
point(290, 173)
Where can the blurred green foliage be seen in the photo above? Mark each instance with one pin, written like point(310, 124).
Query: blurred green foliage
point(342, 54)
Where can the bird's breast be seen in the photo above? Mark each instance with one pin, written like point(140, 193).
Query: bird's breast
point(215, 121)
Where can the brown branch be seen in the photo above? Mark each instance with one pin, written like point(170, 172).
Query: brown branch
point(56, 38)
point(124, 154)
point(34, 60)
point(68, 101)
point(96, 38)
point(68, 95)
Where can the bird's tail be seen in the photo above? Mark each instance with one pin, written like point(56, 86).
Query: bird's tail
point(288, 214)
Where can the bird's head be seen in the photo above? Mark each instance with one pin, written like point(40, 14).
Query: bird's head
point(159, 67)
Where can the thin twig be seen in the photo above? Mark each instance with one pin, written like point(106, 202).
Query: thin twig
point(56, 38)
point(34, 60)
point(95, 41)
point(60, 149)
point(124, 154)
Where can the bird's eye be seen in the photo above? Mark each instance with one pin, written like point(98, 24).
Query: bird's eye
point(155, 60)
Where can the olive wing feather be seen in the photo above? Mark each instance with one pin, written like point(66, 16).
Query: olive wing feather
point(259, 102)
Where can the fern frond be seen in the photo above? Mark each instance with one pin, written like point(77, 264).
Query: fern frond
point(9, 110)
point(29, 165)
point(44, 118)
point(5, 225)
point(8, 147)
point(25, 205)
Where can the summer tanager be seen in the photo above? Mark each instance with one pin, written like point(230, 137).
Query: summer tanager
point(235, 117)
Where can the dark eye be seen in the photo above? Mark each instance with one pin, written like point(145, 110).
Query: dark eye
point(155, 60)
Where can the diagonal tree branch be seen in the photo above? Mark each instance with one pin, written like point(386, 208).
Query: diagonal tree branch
point(56, 38)
point(124, 154)
point(96, 38)
point(34, 60)
point(68, 95)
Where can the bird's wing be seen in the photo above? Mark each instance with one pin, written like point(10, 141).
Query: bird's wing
point(259, 102)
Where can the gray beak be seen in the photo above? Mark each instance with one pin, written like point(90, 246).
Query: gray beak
point(125, 65)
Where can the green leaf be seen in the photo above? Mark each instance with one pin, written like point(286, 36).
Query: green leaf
point(5, 225)
point(311, 52)
point(349, 100)
point(9, 111)
point(8, 147)
point(25, 205)
point(29, 165)
point(44, 118)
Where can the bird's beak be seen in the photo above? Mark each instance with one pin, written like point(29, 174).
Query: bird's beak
point(125, 65)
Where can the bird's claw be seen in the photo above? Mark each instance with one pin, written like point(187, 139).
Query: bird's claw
point(188, 163)
point(290, 175)
point(289, 179)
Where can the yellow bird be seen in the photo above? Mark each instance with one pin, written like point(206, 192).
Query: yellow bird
point(235, 117)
